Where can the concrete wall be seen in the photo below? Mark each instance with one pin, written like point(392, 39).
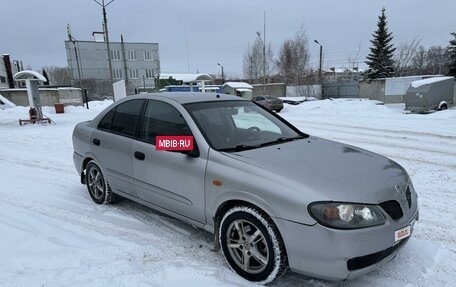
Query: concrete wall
point(374, 90)
point(274, 89)
point(304, 91)
point(49, 96)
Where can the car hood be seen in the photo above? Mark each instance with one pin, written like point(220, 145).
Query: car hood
point(328, 170)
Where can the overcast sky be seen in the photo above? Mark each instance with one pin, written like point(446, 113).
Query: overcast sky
point(218, 31)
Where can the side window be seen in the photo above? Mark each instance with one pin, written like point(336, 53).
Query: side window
point(105, 123)
point(164, 120)
point(126, 117)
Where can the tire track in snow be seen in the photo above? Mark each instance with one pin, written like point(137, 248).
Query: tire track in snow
point(440, 157)
point(48, 165)
point(380, 130)
point(405, 141)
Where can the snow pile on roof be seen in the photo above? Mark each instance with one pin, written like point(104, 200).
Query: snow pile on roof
point(419, 83)
point(238, 85)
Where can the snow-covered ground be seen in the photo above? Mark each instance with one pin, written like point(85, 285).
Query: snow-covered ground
point(52, 234)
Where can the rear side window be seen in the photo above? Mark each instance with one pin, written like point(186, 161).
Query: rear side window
point(123, 119)
point(105, 123)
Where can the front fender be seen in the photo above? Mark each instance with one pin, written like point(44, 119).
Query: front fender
point(229, 179)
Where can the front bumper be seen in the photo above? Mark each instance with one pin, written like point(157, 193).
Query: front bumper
point(332, 254)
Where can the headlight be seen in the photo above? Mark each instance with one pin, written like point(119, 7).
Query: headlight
point(346, 215)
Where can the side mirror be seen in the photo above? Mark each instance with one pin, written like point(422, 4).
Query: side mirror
point(192, 153)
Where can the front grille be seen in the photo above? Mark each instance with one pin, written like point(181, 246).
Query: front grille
point(367, 260)
point(408, 195)
point(393, 208)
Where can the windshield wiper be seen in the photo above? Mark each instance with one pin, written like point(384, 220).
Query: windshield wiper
point(281, 140)
point(243, 147)
point(240, 147)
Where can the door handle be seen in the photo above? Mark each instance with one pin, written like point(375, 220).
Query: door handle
point(139, 155)
point(96, 141)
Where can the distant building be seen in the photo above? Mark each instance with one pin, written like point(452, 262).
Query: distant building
point(342, 74)
point(187, 83)
point(7, 70)
point(240, 89)
point(136, 63)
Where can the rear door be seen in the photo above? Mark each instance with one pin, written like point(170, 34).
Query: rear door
point(171, 180)
point(111, 144)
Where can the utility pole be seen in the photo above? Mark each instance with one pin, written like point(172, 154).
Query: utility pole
point(263, 41)
point(321, 60)
point(106, 34)
point(74, 41)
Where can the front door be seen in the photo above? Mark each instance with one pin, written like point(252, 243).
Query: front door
point(171, 180)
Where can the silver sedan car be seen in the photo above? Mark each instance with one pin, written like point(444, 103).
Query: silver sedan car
point(274, 197)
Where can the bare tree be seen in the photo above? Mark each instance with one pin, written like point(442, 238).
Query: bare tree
point(419, 61)
point(60, 76)
point(436, 58)
point(294, 57)
point(403, 57)
point(253, 62)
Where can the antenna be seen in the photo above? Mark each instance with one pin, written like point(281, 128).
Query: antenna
point(69, 33)
point(188, 62)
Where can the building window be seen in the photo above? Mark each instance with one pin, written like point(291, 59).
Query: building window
point(133, 73)
point(149, 74)
point(2, 79)
point(115, 54)
point(132, 55)
point(117, 73)
point(148, 56)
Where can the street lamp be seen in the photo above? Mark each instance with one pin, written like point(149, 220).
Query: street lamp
point(223, 77)
point(321, 59)
point(264, 63)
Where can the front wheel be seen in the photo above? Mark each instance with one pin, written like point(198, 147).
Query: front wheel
point(98, 188)
point(252, 245)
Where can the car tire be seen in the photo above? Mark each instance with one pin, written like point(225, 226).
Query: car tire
point(444, 107)
point(248, 233)
point(278, 110)
point(97, 186)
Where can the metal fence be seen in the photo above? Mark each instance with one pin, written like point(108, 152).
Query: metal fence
point(341, 90)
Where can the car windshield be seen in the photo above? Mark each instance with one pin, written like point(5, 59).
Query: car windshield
point(240, 125)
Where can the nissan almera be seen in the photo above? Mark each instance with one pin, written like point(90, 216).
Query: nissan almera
point(275, 198)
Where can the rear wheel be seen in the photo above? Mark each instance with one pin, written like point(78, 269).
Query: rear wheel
point(444, 107)
point(97, 186)
point(252, 245)
point(278, 110)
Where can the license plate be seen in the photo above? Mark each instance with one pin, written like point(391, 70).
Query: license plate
point(402, 233)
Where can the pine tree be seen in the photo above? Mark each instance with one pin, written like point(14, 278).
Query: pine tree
point(452, 56)
point(380, 60)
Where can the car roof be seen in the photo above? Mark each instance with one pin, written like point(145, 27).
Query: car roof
point(189, 97)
